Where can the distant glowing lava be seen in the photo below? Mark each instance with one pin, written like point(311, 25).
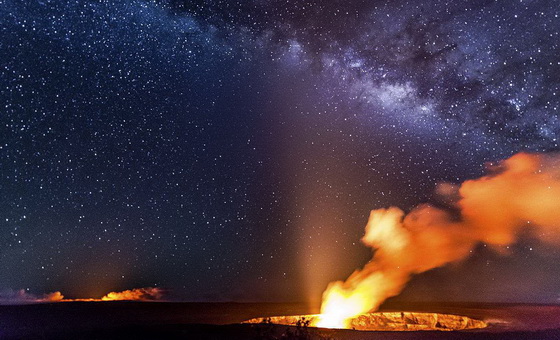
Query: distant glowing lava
point(522, 192)
point(138, 294)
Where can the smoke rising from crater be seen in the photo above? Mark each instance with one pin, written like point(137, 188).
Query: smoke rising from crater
point(519, 195)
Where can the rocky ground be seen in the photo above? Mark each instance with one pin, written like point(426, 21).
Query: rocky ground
point(162, 320)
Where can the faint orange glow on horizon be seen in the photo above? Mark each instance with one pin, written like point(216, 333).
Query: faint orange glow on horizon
point(137, 294)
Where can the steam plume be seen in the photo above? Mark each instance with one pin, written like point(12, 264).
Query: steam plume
point(144, 294)
point(521, 193)
point(23, 297)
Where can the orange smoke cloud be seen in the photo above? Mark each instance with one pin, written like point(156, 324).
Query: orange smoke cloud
point(22, 297)
point(522, 192)
point(53, 297)
point(140, 294)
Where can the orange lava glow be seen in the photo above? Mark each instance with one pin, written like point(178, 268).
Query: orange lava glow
point(138, 294)
point(386, 321)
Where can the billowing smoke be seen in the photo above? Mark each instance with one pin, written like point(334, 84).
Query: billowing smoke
point(520, 195)
point(139, 294)
point(23, 297)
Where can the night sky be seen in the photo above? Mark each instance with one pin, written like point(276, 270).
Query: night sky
point(232, 150)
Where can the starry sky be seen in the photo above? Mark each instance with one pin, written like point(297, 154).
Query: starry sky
point(232, 150)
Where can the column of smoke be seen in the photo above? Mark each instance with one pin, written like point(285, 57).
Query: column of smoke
point(522, 192)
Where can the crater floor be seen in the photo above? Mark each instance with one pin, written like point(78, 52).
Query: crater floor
point(387, 321)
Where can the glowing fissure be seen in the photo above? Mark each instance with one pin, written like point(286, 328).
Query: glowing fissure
point(522, 192)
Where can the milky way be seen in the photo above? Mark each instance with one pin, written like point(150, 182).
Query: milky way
point(233, 150)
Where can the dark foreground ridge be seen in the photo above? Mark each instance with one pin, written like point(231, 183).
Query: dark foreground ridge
point(163, 320)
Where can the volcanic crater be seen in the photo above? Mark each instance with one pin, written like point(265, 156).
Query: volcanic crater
point(385, 321)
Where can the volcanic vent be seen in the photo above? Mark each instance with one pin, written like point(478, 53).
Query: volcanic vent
point(385, 321)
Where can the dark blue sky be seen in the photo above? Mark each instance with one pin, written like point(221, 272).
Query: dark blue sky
point(233, 150)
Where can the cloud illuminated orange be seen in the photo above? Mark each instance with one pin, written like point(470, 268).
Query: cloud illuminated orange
point(520, 193)
point(138, 294)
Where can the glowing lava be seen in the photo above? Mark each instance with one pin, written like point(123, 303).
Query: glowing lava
point(340, 305)
point(386, 321)
point(137, 294)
